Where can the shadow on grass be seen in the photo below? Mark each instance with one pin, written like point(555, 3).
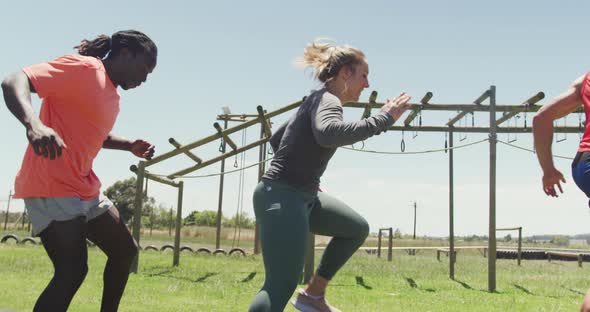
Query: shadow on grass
point(204, 277)
point(169, 273)
point(465, 285)
point(249, 277)
point(413, 284)
point(526, 291)
point(577, 292)
point(361, 282)
point(157, 271)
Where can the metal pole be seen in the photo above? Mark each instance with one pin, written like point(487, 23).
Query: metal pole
point(178, 225)
point(261, 169)
point(519, 244)
point(220, 201)
point(414, 220)
point(492, 212)
point(451, 208)
point(7, 209)
point(137, 210)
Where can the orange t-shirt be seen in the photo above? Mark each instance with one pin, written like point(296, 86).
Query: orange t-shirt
point(585, 94)
point(81, 104)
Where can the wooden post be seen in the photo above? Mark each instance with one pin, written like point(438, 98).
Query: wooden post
point(261, 169)
point(7, 209)
point(171, 221)
point(414, 220)
point(379, 245)
point(138, 205)
point(451, 205)
point(176, 260)
point(152, 208)
point(23, 219)
point(519, 244)
point(438, 255)
point(492, 187)
point(580, 259)
point(390, 250)
point(220, 199)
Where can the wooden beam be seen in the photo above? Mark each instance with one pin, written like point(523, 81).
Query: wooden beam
point(156, 178)
point(506, 116)
point(510, 229)
point(372, 101)
point(226, 138)
point(482, 97)
point(264, 121)
point(530, 101)
point(211, 161)
point(188, 153)
point(217, 136)
point(452, 121)
point(479, 129)
point(459, 107)
point(415, 112)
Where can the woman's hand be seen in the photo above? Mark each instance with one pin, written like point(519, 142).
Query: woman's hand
point(397, 106)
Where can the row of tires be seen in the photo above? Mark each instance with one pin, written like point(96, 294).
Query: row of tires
point(535, 255)
point(25, 240)
point(202, 250)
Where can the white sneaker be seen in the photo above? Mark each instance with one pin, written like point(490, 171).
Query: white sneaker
point(307, 303)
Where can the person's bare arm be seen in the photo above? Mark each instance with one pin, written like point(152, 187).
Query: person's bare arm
point(17, 89)
point(560, 106)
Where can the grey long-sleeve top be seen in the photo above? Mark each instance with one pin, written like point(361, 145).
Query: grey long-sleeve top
point(304, 145)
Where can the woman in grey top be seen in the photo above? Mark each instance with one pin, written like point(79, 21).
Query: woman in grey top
point(288, 203)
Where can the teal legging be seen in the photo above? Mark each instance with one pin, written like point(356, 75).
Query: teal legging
point(286, 216)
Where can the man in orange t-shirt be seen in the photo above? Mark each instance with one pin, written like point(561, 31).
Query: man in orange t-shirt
point(60, 190)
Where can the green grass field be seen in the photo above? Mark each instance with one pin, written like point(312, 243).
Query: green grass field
point(366, 283)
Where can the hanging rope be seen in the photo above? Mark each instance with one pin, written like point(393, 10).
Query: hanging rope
point(214, 174)
point(238, 226)
point(415, 152)
point(367, 151)
point(403, 143)
point(556, 123)
point(530, 150)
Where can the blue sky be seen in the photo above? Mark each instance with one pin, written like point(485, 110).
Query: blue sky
point(240, 54)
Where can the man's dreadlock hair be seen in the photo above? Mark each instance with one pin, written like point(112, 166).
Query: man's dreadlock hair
point(105, 46)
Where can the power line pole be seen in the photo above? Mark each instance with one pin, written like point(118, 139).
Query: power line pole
point(414, 219)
